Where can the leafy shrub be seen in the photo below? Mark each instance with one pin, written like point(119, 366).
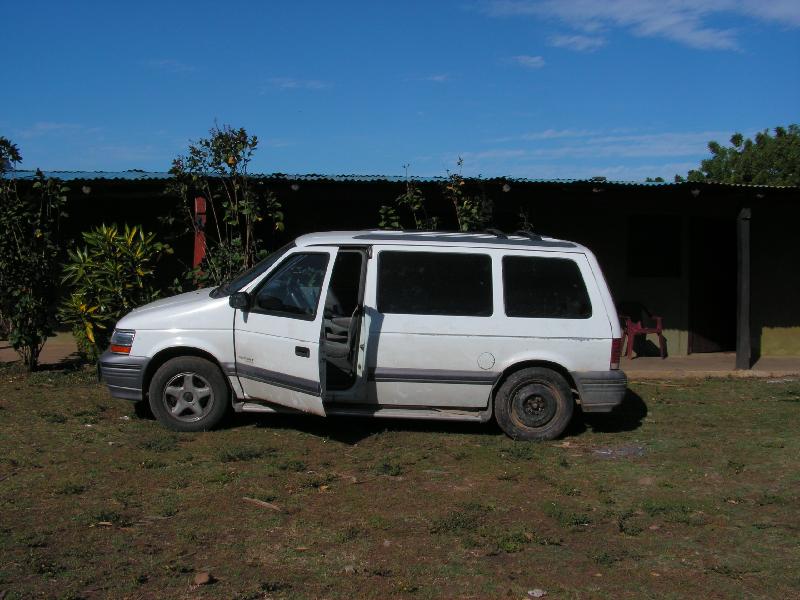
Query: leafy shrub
point(29, 257)
point(412, 201)
point(109, 276)
point(473, 212)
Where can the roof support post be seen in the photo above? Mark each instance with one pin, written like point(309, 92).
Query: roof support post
point(744, 348)
point(199, 231)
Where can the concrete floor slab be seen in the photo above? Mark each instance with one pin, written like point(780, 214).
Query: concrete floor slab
point(718, 364)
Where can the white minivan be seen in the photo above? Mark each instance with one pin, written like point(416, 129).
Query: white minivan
point(419, 325)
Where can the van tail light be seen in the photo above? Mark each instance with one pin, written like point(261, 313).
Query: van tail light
point(616, 353)
point(122, 340)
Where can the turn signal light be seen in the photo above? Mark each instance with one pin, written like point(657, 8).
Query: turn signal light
point(122, 340)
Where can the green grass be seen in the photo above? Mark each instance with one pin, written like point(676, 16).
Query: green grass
point(691, 491)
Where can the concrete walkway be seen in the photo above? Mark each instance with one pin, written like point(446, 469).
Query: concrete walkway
point(61, 349)
point(718, 364)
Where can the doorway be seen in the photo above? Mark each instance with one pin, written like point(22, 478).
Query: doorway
point(712, 285)
point(342, 318)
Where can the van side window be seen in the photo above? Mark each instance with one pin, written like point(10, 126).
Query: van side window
point(293, 290)
point(551, 288)
point(435, 283)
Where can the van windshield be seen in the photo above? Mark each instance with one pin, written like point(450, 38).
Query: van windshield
point(245, 277)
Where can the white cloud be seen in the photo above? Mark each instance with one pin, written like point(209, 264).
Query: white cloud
point(578, 43)
point(634, 146)
point(579, 153)
point(438, 78)
point(289, 83)
point(554, 134)
point(529, 62)
point(42, 128)
point(682, 21)
point(169, 65)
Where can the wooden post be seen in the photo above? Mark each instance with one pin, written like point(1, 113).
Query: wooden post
point(199, 231)
point(743, 343)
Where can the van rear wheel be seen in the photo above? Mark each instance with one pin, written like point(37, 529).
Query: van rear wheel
point(534, 404)
point(189, 393)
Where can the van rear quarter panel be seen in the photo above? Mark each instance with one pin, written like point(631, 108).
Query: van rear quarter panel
point(486, 344)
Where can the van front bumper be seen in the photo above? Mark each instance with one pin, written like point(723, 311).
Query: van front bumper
point(123, 375)
point(600, 391)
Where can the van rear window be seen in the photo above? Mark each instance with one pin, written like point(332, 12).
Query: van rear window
point(536, 287)
point(435, 283)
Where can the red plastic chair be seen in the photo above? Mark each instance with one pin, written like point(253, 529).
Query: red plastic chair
point(632, 328)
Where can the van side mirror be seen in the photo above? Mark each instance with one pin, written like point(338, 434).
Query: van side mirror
point(240, 300)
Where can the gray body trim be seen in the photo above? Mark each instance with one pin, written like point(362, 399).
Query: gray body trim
point(123, 374)
point(410, 237)
point(600, 391)
point(229, 369)
point(432, 376)
point(297, 384)
point(376, 410)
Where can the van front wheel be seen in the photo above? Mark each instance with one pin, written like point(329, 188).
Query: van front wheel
point(188, 393)
point(534, 404)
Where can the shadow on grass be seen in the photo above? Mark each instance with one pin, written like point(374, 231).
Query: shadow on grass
point(628, 416)
point(73, 362)
point(352, 430)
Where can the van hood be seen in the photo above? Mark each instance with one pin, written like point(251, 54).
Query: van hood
point(192, 310)
point(176, 301)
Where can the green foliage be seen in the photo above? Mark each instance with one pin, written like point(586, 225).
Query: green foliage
point(411, 201)
point(524, 221)
point(765, 160)
point(472, 212)
point(216, 168)
point(9, 154)
point(111, 275)
point(388, 218)
point(29, 256)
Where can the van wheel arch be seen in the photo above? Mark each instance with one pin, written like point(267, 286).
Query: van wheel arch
point(544, 364)
point(169, 353)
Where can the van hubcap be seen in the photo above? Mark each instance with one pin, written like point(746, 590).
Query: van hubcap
point(534, 405)
point(188, 397)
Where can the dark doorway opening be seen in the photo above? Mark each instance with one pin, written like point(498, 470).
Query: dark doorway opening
point(712, 285)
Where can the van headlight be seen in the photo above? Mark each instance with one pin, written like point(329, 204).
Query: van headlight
point(122, 340)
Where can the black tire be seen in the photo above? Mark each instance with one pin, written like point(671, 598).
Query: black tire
point(534, 404)
point(188, 393)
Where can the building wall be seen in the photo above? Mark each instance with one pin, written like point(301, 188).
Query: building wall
point(601, 217)
point(776, 281)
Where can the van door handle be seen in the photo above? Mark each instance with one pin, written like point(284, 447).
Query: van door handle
point(302, 351)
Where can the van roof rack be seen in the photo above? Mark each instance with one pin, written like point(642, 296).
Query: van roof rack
point(535, 237)
point(528, 234)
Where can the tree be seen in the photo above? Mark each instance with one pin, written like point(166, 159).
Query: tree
point(29, 256)
point(216, 168)
point(766, 160)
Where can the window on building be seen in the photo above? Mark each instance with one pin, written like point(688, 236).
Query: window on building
point(537, 287)
point(435, 283)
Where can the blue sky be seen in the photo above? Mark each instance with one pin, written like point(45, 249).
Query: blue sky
point(539, 88)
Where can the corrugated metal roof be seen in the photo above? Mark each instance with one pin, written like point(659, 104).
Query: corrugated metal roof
point(136, 175)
